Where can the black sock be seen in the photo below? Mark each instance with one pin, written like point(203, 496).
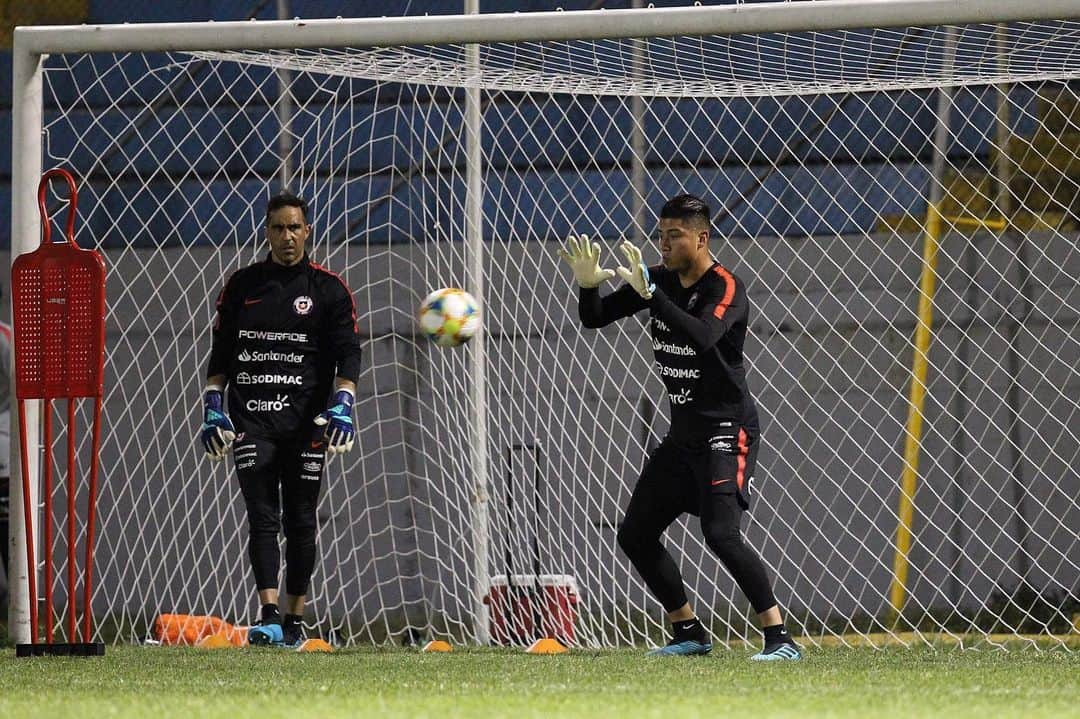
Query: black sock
point(270, 614)
point(292, 629)
point(688, 629)
point(776, 634)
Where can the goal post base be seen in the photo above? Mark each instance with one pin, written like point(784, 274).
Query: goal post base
point(61, 649)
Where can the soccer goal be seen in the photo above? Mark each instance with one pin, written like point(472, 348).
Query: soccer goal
point(897, 183)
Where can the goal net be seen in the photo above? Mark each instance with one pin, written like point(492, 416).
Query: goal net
point(902, 204)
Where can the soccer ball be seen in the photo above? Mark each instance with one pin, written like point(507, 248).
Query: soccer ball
point(449, 316)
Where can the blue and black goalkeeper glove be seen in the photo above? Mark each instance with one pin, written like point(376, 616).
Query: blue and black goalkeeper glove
point(217, 430)
point(340, 432)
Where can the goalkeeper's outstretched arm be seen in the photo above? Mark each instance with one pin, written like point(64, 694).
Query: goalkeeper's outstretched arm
point(593, 310)
point(596, 311)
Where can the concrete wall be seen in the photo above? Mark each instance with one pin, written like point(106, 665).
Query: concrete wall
point(829, 351)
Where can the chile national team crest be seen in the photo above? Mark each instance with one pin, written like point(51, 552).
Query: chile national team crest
point(302, 305)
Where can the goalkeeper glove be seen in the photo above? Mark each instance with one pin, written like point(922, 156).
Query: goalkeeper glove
point(584, 259)
point(637, 276)
point(338, 421)
point(217, 429)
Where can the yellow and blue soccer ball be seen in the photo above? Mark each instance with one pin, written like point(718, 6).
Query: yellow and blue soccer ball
point(449, 316)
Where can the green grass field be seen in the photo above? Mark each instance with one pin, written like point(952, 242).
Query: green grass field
point(169, 682)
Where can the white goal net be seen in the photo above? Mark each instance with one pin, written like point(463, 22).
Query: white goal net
point(903, 205)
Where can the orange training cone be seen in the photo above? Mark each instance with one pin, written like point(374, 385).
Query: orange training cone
point(547, 646)
point(437, 645)
point(220, 640)
point(315, 645)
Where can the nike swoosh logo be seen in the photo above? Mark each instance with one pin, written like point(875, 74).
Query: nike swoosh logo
point(252, 302)
point(719, 481)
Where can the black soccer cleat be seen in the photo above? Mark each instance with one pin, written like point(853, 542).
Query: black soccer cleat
point(292, 637)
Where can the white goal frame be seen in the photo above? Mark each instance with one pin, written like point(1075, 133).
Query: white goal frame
point(33, 44)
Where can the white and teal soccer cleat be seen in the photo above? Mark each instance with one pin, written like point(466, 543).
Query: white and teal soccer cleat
point(684, 648)
point(782, 652)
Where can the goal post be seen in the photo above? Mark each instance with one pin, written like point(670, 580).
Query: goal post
point(903, 215)
point(25, 231)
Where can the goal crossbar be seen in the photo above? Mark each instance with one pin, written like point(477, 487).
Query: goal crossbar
point(539, 26)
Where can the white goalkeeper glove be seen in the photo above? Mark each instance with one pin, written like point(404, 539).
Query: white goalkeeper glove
point(584, 260)
point(637, 275)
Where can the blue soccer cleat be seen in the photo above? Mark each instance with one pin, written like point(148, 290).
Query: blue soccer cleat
point(782, 652)
point(266, 635)
point(684, 648)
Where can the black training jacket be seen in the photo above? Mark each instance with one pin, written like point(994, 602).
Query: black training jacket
point(280, 337)
point(697, 338)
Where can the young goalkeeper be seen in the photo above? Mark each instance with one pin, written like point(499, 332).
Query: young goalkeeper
point(704, 465)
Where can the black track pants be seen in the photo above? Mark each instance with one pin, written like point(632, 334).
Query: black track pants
point(708, 479)
point(280, 482)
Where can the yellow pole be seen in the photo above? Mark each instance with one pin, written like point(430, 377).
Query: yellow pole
point(974, 223)
point(916, 401)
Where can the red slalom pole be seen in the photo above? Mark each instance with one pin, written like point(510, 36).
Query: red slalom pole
point(91, 513)
point(72, 489)
point(46, 553)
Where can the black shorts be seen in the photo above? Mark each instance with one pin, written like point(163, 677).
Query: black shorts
point(692, 470)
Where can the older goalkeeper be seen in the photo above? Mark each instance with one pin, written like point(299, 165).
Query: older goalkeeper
point(705, 464)
point(286, 346)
